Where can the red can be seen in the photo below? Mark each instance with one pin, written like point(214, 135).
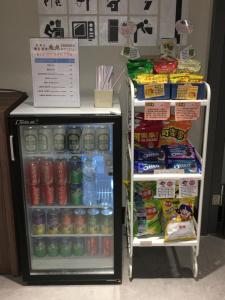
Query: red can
point(35, 194)
point(61, 194)
point(61, 171)
point(33, 172)
point(92, 246)
point(106, 246)
point(47, 194)
point(46, 167)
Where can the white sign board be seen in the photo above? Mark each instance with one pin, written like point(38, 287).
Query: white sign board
point(55, 72)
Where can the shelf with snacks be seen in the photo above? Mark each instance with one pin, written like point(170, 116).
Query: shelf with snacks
point(160, 153)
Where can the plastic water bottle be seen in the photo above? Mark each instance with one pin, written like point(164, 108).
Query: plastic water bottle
point(89, 183)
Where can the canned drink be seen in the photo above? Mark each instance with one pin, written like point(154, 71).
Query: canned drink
point(30, 139)
point(75, 170)
point(74, 144)
point(45, 139)
point(38, 221)
point(92, 246)
point(76, 195)
point(88, 138)
point(53, 222)
point(78, 247)
point(52, 247)
point(61, 194)
point(35, 194)
point(33, 171)
point(67, 221)
point(66, 247)
point(60, 167)
point(59, 138)
point(106, 246)
point(46, 168)
point(39, 247)
point(80, 221)
point(102, 134)
point(47, 194)
point(106, 221)
point(93, 221)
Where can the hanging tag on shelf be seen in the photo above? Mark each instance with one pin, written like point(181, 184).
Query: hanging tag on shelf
point(165, 188)
point(157, 111)
point(188, 188)
point(187, 111)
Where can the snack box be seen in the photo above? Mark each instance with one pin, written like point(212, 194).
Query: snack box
point(177, 88)
point(144, 90)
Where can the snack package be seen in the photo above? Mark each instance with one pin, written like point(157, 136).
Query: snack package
point(174, 132)
point(188, 65)
point(152, 154)
point(165, 65)
point(189, 166)
point(179, 152)
point(185, 78)
point(148, 167)
point(151, 78)
point(180, 231)
point(139, 66)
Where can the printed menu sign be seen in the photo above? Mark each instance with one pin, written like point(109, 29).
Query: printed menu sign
point(55, 72)
point(187, 111)
point(157, 111)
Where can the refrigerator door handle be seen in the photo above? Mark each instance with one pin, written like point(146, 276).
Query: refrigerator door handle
point(11, 148)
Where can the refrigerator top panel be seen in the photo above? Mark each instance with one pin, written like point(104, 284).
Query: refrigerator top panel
point(87, 108)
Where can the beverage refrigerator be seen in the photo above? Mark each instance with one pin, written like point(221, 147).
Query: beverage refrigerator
point(66, 174)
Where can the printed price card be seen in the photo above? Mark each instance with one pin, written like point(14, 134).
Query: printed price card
point(157, 111)
point(188, 188)
point(187, 111)
point(165, 188)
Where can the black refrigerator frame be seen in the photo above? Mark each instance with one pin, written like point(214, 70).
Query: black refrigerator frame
point(15, 121)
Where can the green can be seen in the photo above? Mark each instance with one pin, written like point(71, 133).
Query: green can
point(76, 195)
point(93, 221)
point(66, 247)
point(75, 167)
point(53, 247)
point(39, 247)
point(79, 247)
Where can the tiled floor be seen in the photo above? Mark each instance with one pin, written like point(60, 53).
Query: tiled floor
point(210, 286)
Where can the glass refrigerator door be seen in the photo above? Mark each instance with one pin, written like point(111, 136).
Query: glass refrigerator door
point(68, 192)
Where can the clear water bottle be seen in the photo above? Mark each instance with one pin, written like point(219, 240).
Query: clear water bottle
point(89, 182)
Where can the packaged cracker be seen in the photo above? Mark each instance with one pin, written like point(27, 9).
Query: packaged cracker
point(139, 66)
point(152, 154)
point(148, 167)
point(180, 231)
point(151, 78)
point(165, 65)
point(188, 65)
point(179, 152)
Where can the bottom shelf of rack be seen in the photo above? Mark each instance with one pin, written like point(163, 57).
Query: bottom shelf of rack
point(158, 241)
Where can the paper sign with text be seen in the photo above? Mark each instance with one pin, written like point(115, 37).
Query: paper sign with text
point(187, 111)
point(165, 188)
point(188, 188)
point(157, 111)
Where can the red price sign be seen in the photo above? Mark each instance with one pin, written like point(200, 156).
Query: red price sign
point(187, 111)
point(157, 111)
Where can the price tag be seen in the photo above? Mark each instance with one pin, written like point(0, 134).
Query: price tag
point(188, 188)
point(187, 92)
point(187, 111)
point(154, 90)
point(165, 188)
point(157, 111)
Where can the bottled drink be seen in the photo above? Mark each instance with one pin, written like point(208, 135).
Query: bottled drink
point(74, 139)
point(47, 173)
point(67, 221)
point(45, 139)
point(76, 194)
point(80, 221)
point(60, 167)
point(30, 139)
point(53, 221)
point(75, 170)
point(89, 183)
point(102, 138)
point(59, 138)
point(66, 247)
point(39, 247)
point(53, 247)
point(78, 247)
point(93, 221)
point(38, 221)
point(88, 138)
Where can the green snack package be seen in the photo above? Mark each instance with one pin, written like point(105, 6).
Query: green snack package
point(139, 66)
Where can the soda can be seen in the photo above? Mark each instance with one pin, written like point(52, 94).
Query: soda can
point(59, 138)
point(30, 139)
point(102, 138)
point(88, 138)
point(106, 246)
point(76, 194)
point(53, 222)
point(39, 247)
point(61, 194)
point(67, 221)
point(75, 167)
point(78, 247)
point(35, 194)
point(33, 171)
point(92, 246)
point(80, 221)
point(73, 137)
point(46, 167)
point(38, 221)
point(47, 194)
point(45, 139)
point(106, 221)
point(66, 247)
point(60, 167)
point(52, 247)
point(93, 221)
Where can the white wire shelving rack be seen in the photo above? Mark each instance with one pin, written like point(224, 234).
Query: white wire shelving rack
point(158, 241)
